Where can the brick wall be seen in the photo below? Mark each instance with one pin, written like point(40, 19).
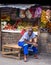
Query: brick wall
point(10, 38)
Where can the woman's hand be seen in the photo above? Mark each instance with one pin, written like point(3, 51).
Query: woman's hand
point(30, 40)
point(35, 44)
point(27, 41)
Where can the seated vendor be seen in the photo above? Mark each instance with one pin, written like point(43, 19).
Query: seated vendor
point(27, 40)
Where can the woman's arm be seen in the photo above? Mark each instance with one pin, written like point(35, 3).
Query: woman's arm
point(27, 41)
point(34, 42)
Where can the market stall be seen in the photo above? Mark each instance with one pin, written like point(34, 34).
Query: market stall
point(15, 20)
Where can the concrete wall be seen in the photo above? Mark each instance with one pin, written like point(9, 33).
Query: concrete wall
point(45, 43)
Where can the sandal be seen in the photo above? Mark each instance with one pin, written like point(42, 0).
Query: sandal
point(35, 56)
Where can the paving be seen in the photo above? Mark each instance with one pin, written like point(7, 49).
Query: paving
point(43, 60)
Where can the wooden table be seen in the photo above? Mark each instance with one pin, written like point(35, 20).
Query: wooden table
point(11, 50)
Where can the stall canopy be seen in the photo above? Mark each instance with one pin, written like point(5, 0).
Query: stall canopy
point(21, 6)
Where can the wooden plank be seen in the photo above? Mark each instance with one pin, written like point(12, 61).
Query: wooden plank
point(11, 46)
point(11, 52)
point(10, 56)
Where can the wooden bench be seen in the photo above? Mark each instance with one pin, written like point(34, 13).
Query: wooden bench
point(11, 50)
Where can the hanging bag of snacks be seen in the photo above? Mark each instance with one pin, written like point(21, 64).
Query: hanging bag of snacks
point(38, 12)
point(22, 13)
point(48, 14)
point(28, 14)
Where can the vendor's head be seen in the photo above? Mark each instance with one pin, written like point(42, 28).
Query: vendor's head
point(30, 31)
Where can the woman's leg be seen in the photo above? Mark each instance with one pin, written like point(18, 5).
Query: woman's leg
point(25, 49)
point(35, 50)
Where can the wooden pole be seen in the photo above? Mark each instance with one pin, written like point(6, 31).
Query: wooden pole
point(0, 31)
